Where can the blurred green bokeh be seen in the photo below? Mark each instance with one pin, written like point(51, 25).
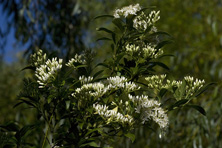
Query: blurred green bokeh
point(67, 27)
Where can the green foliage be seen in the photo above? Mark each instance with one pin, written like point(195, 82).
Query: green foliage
point(196, 50)
point(81, 111)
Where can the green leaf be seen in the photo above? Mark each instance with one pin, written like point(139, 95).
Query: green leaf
point(163, 43)
point(182, 89)
point(93, 130)
point(90, 110)
point(91, 144)
point(79, 66)
point(127, 70)
point(176, 92)
point(28, 102)
point(119, 57)
point(131, 136)
point(24, 130)
point(103, 64)
point(106, 15)
point(159, 64)
point(97, 73)
point(178, 104)
point(162, 92)
point(105, 30)
point(119, 24)
point(198, 108)
point(67, 104)
point(29, 67)
point(81, 125)
point(67, 74)
point(49, 99)
point(11, 126)
point(17, 104)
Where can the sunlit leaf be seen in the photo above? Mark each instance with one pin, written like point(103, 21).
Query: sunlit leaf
point(131, 136)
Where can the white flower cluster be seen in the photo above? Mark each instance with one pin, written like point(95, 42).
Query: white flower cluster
point(156, 81)
point(128, 10)
point(193, 85)
point(38, 58)
point(47, 71)
point(112, 115)
point(174, 83)
point(132, 49)
point(150, 109)
point(98, 89)
point(121, 82)
point(142, 22)
point(151, 52)
point(91, 89)
point(117, 81)
point(154, 17)
point(76, 59)
point(85, 80)
point(147, 51)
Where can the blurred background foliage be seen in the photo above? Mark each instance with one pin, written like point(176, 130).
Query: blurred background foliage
point(66, 27)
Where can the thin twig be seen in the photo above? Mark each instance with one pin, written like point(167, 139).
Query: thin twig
point(47, 131)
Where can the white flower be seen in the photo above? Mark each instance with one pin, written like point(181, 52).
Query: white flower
point(154, 17)
point(116, 81)
point(112, 115)
point(91, 89)
point(100, 109)
point(121, 82)
point(131, 86)
point(85, 80)
point(159, 116)
point(193, 85)
point(142, 22)
point(98, 89)
point(132, 48)
point(156, 81)
point(38, 58)
point(175, 83)
point(149, 109)
point(128, 10)
point(47, 71)
point(151, 52)
point(144, 50)
point(76, 59)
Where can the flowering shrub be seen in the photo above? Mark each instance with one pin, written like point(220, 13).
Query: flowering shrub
point(83, 105)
